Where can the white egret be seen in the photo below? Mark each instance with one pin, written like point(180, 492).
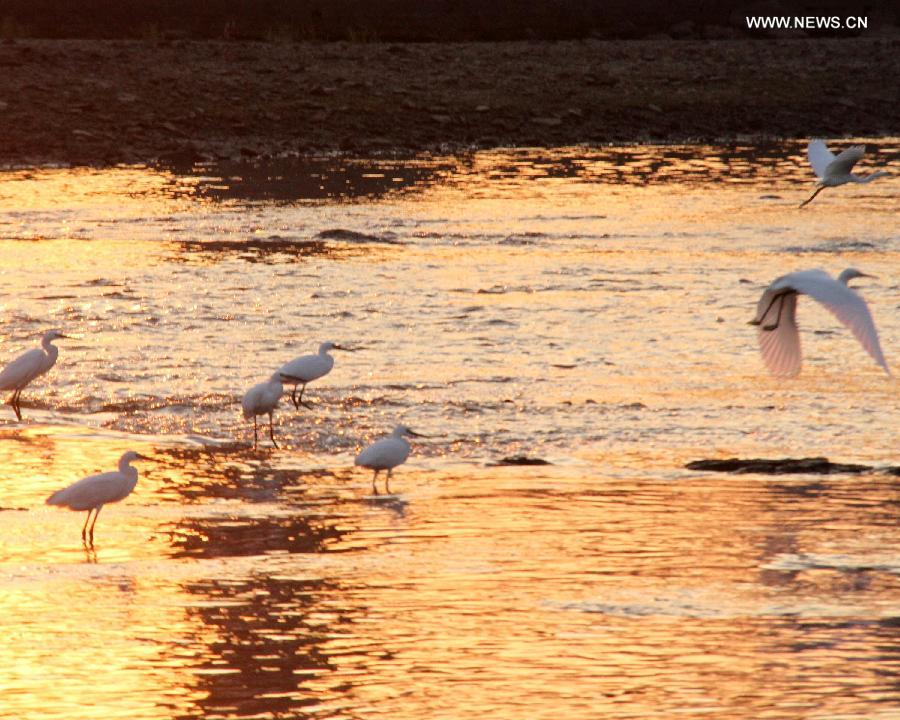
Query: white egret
point(28, 366)
point(836, 170)
point(307, 368)
point(386, 454)
point(262, 399)
point(93, 492)
point(779, 339)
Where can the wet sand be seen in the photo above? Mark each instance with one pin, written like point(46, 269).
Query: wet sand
point(105, 102)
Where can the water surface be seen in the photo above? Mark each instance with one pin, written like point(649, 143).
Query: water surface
point(586, 306)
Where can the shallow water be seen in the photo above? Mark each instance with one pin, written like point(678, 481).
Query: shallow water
point(584, 306)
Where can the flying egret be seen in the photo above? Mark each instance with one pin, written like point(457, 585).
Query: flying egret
point(833, 171)
point(307, 368)
point(386, 454)
point(262, 399)
point(779, 339)
point(28, 366)
point(93, 492)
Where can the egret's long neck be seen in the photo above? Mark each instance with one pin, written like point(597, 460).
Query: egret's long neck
point(126, 469)
point(847, 275)
point(49, 348)
point(323, 350)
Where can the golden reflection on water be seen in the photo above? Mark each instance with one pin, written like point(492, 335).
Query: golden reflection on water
point(575, 307)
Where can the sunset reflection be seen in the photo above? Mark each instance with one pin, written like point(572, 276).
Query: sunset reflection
point(577, 306)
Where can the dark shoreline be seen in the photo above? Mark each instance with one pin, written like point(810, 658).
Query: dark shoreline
point(98, 103)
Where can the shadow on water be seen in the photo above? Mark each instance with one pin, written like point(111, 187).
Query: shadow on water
point(313, 179)
point(339, 179)
point(269, 646)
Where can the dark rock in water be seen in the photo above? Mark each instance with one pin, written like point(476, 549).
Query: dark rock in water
point(783, 466)
point(520, 460)
point(354, 236)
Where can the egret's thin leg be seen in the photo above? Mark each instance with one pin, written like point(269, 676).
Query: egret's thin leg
point(763, 316)
point(778, 318)
point(294, 397)
point(15, 404)
point(84, 527)
point(818, 190)
point(91, 531)
point(387, 483)
point(374, 486)
point(255, 438)
point(300, 399)
point(272, 431)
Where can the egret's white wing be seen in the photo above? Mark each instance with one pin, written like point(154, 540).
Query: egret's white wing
point(780, 347)
point(384, 454)
point(261, 398)
point(843, 163)
point(820, 157)
point(846, 305)
point(90, 492)
point(308, 367)
point(23, 370)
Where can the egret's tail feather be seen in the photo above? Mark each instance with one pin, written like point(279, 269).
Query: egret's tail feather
point(58, 498)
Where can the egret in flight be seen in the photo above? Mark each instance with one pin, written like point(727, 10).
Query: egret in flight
point(93, 492)
point(28, 366)
point(307, 368)
point(833, 171)
point(261, 399)
point(386, 454)
point(779, 339)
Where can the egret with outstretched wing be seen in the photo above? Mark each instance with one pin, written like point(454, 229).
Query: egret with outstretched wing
point(836, 170)
point(776, 316)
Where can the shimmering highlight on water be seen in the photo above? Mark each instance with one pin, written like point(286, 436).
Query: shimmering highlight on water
point(587, 307)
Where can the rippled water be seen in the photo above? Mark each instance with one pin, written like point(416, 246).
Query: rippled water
point(588, 307)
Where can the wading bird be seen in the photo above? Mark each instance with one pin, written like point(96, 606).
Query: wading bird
point(93, 492)
point(307, 368)
point(28, 366)
point(386, 454)
point(261, 399)
point(779, 339)
point(835, 170)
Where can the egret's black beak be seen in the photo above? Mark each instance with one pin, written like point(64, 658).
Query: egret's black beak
point(344, 348)
point(142, 457)
point(415, 434)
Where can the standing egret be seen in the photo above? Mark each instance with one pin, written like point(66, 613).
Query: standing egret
point(835, 170)
point(28, 366)
point(260, 400)
point(307, 368)
point(93, 492)
point(386, 454)
point(779, 339)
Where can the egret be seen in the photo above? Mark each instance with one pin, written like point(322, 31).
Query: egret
point(779, 339)
point(386, 454)
point(262, 399)
point(93, 492)
point(307, 368)
point(28, 366)
point(833, 171)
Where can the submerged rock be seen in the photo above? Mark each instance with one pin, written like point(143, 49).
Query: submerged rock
point(357, 237)
point(520, 460)
point(782, 466)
